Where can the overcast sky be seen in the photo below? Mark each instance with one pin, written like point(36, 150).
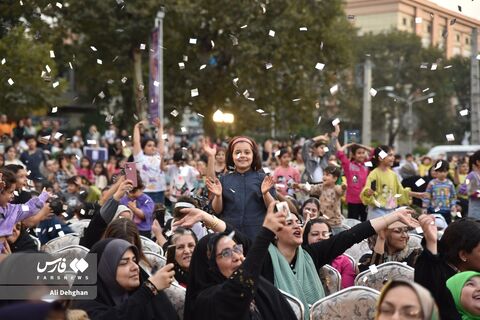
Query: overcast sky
point(469, 7)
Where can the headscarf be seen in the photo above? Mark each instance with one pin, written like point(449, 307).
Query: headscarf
point(455, 284)
point(427, 303)
point(109, 253)
point(205, 278)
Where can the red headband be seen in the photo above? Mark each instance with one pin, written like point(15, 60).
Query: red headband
point(242, 139)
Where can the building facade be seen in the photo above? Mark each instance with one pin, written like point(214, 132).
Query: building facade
point(435, 25)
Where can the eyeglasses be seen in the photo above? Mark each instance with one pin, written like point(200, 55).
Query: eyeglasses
point(404, 313)
point(228, 252)
point(289, 223)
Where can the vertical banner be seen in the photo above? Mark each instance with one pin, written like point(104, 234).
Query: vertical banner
point(154, 81)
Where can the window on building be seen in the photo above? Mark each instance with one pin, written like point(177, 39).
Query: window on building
point(458, 37)
point(467, 40)
point(404, 20)
point(429, 28)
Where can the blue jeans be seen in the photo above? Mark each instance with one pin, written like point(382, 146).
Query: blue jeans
point(157, 197)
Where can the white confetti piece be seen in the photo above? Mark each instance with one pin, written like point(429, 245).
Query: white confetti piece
point(101, 95)
point(260, 110)
point(326, 149)
point(319, 66)
point(419, 182)
point(267, 170)
point(61, 234)
point(181, 65)
point(194, 92)
point(397, 195)
point(93, 48)
point(91, 141)
point(50, 229)
point(55, 84)
point(192, 41)
point(244, 26)
point(383, 154)
point(303, 29)
point(48, 68)
point(10, 81)
point(368, 164)
point(450, 137)
point(296, 100)
point(203, 66)
point(59, 5)
point(271, 33)
point(434, 66)
point(335, 122)
point(373, 269)
point(418, 20)
point(25, 208)
point(439, 164)
point(200, 115)
point(430, 100)
point(58, 226)
point(425, 90)
point(156, 83)
point(4, 61)
point(235, 81)
point(124, 79)
point(334, 89)
point(82, 212)
point(70, 65)
point(142, 46)
point(268, 66)
point(447, 67)
point(373, 92)
point(52, 53)
point(464, 112)
point(277, 153)
point(99, 61)
point(15, 193)
point(124, 144)
point(319, 119)
point(58, 135)
point(478, 57)
point(419, 230)
point(174, 113)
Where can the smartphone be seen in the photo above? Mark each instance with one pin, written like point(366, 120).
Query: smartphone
point(283, 207)
point(131, 173)
point(373, 185)
point(171, 250)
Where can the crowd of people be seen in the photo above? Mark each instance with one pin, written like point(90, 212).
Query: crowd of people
point(245, 222)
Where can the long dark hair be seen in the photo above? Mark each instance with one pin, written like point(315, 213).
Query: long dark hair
point(473, 160)
point(460, 235)
point(309, 225)
point(127, 230)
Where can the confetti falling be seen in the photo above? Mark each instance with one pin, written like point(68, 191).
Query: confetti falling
point(450, 137)
point(93, 48)
point(268, 66)
point(334, 89)
point(4, 61)
point(10, 81)
point(383, 154)
point(418, 20)
point(419, 182)
point(319, 66)
point(303, 29)
point(192, 41)
point(430, 100)
point(55, 84)
point(434, 66)
point(194, 92)
point(54, 109)
point(142, 46)
point(52, 54)
point(464, 112)
point(271, 33)
point(373, 92)
point(203, 66)
point(99, 61)
point(181, 65)
point(174, 113)
point(335, 122)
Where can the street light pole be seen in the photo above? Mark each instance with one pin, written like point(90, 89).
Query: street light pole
point(367, 104)
point(159, 24)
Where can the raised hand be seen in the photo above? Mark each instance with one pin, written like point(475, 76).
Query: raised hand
point(214, 186)
point(405, 216)
point(267, 183)
point(274, 221)
point(211, 152)
point(192, 216)
point(163, 278)
point(429, 228)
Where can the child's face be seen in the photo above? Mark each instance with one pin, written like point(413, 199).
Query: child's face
point(285, 159)
point(85, 163)
point(6, 196)
point(360, 155)
point(242, 156)
point(135, 194)
point(388, 160)
point(320, 150)
point(220, 156)
point(329, 179)
point(442, 175)
point(464, 168)
point(22, 177)
point(469, 296)
point(72, 188)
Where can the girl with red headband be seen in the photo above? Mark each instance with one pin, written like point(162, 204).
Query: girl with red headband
point(242, 196)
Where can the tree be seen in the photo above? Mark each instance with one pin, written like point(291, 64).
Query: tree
point(400, 61)
point(227, 50)
point(25, 48)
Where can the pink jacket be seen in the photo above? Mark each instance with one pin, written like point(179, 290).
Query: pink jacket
point(356, 174)
point(344, 265)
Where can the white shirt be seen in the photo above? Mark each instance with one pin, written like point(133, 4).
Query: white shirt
point(150, 171)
